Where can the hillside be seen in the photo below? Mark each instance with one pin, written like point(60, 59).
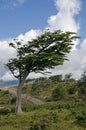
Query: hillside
point(63, 107)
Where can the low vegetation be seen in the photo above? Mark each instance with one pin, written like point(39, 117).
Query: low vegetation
point(64, 106)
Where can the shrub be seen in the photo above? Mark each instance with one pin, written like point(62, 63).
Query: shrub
point(82, 87)
point(41, 86)
point(55, 78)
point(13, 100)
point(81, 118)
point(59, 93)
point(5, 111)
point(43, 122)
point(6, 92)
point(72, 90)
point(35, 125)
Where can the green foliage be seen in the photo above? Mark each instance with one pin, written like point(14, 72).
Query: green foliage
point(5, 92)
point(40, 84)
point(56, 78)
point(59, 93)
point(29, 81)
point(72, 86)
point(35, 125)
point(41, 79)
point(13, 100)
point(50, 116)
point(82, 86)
point(72, 89)
point(46, 51)
point(81, 118)
point(5, 97)
point(44, 122)
point(44, 87)
point(66, 113)
point(5, 111)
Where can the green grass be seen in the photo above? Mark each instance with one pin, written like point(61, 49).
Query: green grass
point(51, 116)
point(64, 114)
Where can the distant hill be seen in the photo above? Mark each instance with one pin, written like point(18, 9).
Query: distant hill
point(8, 83)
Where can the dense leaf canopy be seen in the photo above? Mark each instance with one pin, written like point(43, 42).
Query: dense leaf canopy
point(46, 51)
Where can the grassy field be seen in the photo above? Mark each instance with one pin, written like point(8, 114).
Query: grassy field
point(63, 114)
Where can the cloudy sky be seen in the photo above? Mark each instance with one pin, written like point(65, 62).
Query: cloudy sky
point(26, 19)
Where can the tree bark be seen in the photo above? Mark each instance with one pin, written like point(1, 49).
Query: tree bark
point(18, 109)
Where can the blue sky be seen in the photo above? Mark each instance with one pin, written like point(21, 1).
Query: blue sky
point(82, 17)
point(26, 19)
point(32, 14)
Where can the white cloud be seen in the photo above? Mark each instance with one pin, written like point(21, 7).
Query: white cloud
point(21, 1)
point(28, 36)
point(64, 19)
point(5, 4)
point(17, 3)
point(76, 63)
point(35, 75)
point(7, 52)
point(7, 77)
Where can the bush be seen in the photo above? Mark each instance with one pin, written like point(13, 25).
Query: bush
point(59, 93)
point(81, 118)
point(6, 92)
point(55, 78)
point(13, 100)
point(82, 87)
point(72, 90)
point(5, 111)
point(40, 86)
point(43, 122)
point(35, 125)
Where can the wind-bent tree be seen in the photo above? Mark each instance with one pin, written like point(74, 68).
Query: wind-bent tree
point(45, 52)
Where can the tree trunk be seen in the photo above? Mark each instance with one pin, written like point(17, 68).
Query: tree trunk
point(18, 109)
